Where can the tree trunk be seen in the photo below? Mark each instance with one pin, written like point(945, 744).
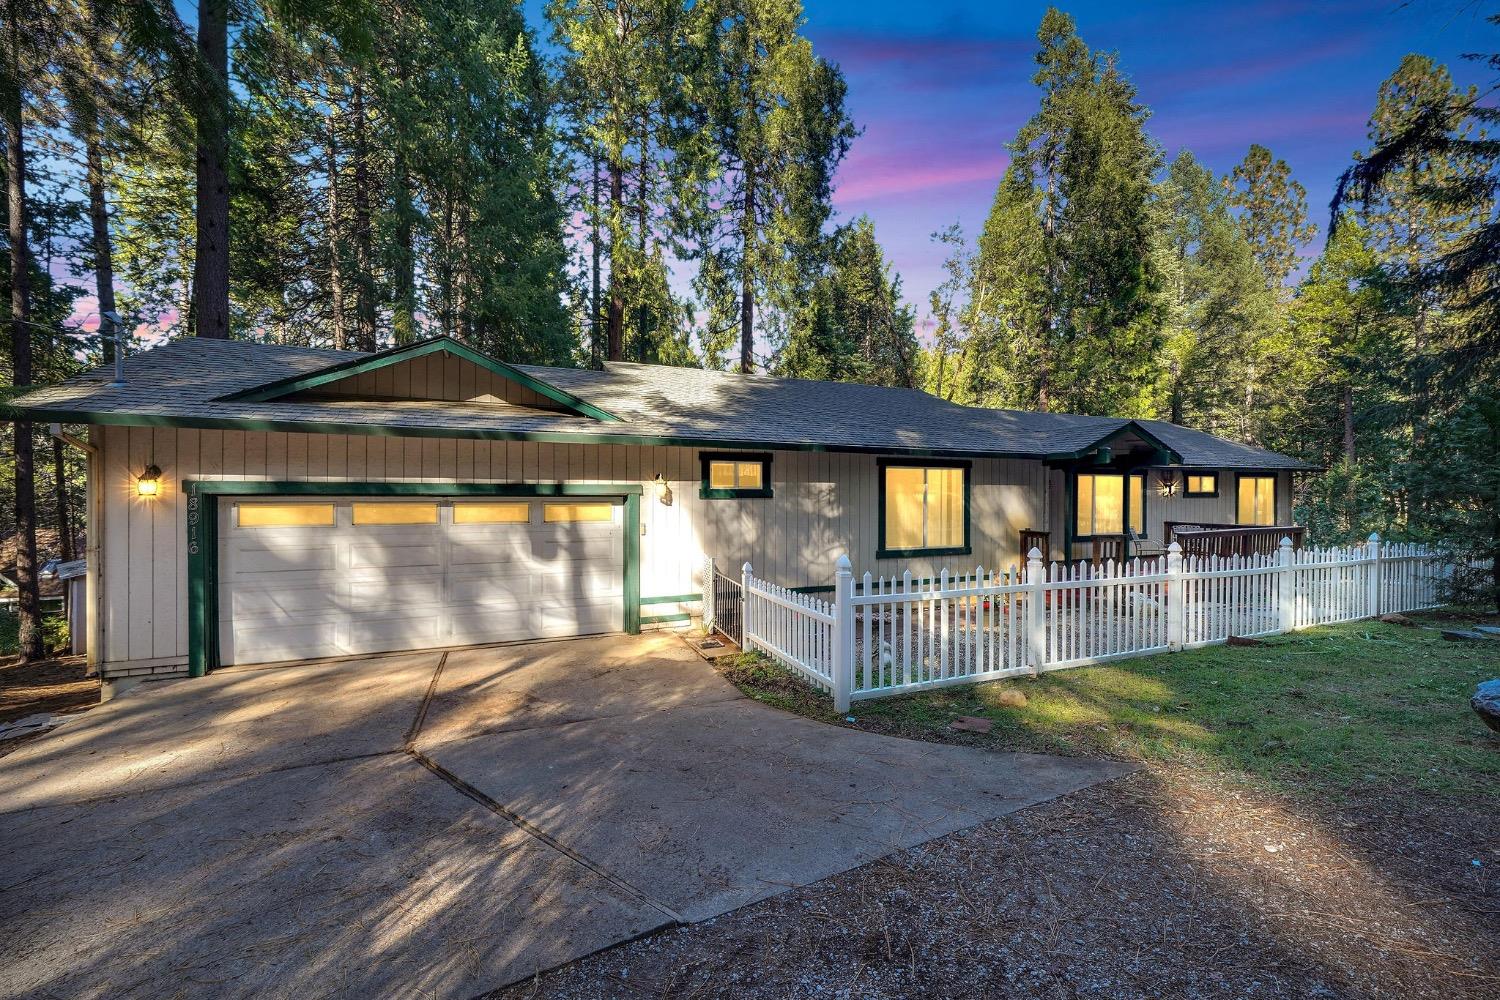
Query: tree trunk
point(104, 262)
point(641, 314)
point(28, 603)
point(596, 353)
point(747, 277)
point(404, 274)
point(364, 255)
point(1346, 406)
point(211, 256)
point(335, 240)
point(615, 327)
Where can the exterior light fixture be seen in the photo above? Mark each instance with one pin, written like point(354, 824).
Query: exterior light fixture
point(149, 482)
point(1167, 484)
point(663, 491)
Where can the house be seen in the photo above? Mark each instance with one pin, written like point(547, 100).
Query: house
point(252, 502)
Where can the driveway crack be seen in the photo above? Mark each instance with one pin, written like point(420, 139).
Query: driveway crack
point(509, 815)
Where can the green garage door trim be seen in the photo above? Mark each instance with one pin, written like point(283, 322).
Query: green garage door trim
point(203, 538)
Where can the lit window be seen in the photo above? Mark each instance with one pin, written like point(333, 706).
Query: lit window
point(733, 476)
point(395, 513)
point(924, 507)
point(1102, 504)
point(1202, 484)
point(492, 513)
point(561, 513)
point(1257, 500)
point(285, 515)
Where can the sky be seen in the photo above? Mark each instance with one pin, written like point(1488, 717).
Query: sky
point(940, 86)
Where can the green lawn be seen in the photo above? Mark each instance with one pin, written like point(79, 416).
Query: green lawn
point(1326, 709)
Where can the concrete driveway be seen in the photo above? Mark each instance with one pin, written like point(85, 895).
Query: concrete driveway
point(441, 824)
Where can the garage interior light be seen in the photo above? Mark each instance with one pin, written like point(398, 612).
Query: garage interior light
point(149, 482)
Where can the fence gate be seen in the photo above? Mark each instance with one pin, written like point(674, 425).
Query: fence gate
point(726, 608)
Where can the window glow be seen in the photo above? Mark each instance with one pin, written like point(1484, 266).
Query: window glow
point(491, 513)
point(1206, 482)
point(730, 475)
point(1102, 507)
point(924, 508)
point(395, 513)
point(1257, 500)
point(285, 515)
point(562, 513)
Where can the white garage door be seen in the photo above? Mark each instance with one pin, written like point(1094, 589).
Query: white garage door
point(305, 578)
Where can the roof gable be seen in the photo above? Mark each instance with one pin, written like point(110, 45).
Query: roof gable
point(437, 370)
point(1131, 428)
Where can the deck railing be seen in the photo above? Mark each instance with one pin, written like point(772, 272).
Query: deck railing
point(893, 635)
point(1199, 539)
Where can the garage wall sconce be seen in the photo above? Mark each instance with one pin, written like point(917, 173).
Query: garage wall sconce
point(663, 491)
point(1167, 484)
point(149, 482)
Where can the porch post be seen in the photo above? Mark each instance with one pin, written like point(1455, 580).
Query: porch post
point(1286, 586)
point(1036, 611)
point(1176, 591)
point(843, 634)
point(1372, 575)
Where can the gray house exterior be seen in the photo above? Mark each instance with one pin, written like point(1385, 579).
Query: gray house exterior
point(255, 503)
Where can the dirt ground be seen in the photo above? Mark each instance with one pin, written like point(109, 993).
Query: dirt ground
point(1167, 883)
point(57, 686)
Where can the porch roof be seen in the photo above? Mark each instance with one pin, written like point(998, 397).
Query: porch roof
point(192, 382)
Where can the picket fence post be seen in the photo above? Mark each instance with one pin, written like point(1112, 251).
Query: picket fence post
point(1176, 596)
point(1286, 586)
point(843, 633)
point(708, 593)
point(1036, 610)
point(1372, 575)
point(746, 573)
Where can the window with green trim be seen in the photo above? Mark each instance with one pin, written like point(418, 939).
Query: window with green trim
point(1108, 502)
point(1256, 502)
point(734, 475)
point(1201, 484)
point(924, 509)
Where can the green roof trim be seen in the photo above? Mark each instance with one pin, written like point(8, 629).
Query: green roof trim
point(1133, 427)
point(284, 387)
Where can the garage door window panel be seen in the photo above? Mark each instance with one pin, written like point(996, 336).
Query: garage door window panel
point(568, 513)
point(376, 514)
point(491, 513)
point(285, 515)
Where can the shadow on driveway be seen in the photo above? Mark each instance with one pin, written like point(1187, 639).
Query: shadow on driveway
point(268, 832)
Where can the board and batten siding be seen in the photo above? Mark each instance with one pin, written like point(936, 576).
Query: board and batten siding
point(825, 504)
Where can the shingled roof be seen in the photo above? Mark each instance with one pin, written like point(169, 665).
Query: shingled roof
point(189, 382)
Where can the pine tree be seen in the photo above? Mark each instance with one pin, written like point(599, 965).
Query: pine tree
point(1066, 268)
point(854, 327)
point(1272, 211)
point(775, 115)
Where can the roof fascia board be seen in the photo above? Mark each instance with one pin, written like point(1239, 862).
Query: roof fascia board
point(348, 369)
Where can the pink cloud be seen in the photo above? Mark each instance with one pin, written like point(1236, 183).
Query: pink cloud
point(906, 177)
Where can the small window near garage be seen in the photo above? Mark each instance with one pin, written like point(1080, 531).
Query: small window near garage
point(731, 476)
point(285, 515)
point(1257, 501)
point(395, 513)
point(562, 513)
point(491, 513)
point(1201, 484)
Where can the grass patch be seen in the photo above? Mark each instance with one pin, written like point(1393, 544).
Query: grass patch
point(1361, 704)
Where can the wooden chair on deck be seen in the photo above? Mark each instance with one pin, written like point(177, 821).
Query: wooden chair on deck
point(1033, 539)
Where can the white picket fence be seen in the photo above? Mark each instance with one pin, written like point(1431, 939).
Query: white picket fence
point(895, 635)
